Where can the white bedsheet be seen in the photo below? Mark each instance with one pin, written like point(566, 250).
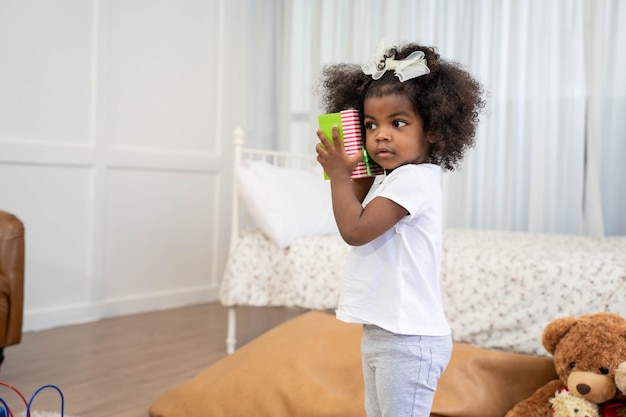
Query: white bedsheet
point(499, 288)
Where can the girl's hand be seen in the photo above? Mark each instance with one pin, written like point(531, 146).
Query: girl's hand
point(333, 158)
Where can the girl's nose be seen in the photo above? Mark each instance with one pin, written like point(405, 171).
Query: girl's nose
point(382, 135)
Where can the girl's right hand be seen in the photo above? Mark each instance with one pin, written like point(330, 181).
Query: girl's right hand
point(333, 157)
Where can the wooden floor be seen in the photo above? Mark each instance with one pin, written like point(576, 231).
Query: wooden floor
point(117, 367)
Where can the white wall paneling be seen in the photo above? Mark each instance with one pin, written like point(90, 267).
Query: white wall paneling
point(111, 125)
point(157, 234)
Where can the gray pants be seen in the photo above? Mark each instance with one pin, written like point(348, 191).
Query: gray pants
point(401, 371)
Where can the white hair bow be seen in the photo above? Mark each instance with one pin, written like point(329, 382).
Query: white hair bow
point(412, 66)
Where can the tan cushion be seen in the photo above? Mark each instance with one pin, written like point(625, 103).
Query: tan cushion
point(311, 366)
point(484, 383)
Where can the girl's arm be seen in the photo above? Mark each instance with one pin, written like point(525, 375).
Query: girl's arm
point(357, 225)
point(361, 187)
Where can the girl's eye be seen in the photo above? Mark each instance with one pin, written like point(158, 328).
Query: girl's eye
point(370, 126)
point(398, 123)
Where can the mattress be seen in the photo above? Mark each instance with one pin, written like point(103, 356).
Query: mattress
point(499, 288)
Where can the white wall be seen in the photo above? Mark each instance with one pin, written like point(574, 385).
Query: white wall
point(114, 148)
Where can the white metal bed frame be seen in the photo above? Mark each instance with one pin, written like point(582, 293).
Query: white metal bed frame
point(240, 221)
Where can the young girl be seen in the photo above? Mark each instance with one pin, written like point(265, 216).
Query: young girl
point(419, 116)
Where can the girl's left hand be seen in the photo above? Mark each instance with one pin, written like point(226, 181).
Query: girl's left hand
point(333, 157)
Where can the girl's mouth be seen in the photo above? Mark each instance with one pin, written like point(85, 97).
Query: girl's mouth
point(383, 153)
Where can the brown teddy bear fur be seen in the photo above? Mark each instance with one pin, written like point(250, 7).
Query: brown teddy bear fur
point(590, 359)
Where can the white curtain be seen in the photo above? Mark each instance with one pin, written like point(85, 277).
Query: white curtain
point(549, 150)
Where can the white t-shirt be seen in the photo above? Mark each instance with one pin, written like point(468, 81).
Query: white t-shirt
point(393, 281)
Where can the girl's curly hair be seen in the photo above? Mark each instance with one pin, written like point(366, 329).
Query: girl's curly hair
point(448, 100)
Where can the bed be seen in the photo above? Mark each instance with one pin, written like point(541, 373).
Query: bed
point(499, 290)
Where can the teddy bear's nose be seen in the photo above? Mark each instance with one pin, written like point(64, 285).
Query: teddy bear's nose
point(583, 388)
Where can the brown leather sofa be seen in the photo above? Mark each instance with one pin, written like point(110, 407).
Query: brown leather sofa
point(11, 280)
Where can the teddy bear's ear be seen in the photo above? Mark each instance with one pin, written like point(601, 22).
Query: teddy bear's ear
point(620, 377)
point(554, 332)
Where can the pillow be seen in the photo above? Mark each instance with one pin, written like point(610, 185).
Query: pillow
point(285, 203)
point(311, 366)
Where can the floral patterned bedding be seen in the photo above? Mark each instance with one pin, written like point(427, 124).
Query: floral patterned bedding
point(499, 288)
point(306, 274)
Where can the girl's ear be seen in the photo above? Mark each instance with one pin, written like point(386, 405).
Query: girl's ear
point(430, 138)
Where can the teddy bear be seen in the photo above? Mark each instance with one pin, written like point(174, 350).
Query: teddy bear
point(620, 377)
point(589, 354)
point(564, 404)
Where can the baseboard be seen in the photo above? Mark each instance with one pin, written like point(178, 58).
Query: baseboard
point(84, 313)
